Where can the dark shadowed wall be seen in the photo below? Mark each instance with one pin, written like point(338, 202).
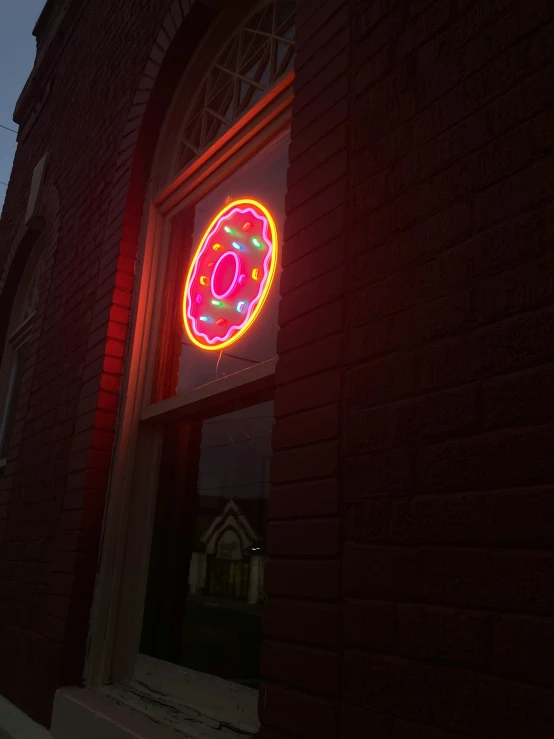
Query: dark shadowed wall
point(411, 540)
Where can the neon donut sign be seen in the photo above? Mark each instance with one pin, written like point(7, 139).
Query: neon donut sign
point(230, 275)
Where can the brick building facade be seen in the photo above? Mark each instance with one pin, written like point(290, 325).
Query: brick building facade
point(409, 573)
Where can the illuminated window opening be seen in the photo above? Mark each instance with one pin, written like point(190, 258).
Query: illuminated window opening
point(155, 423)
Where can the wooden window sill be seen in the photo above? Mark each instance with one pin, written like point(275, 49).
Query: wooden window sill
point(162, 701)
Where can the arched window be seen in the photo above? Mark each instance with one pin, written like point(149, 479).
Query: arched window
point(193, 453)
point(218, 328)
point(260, 53)
point(15, 351)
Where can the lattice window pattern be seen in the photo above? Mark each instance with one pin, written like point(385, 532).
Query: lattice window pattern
point(259, 54)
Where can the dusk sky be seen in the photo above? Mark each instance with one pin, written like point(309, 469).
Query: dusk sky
point(17, 54)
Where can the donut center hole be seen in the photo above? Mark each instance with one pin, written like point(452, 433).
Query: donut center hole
point(225, 275)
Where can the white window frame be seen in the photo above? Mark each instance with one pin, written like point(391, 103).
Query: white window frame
point(117, 611)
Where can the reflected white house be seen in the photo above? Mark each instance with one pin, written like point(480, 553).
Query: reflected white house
point(230, 562)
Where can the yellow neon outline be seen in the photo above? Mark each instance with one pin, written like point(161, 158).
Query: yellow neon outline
point(261, 301)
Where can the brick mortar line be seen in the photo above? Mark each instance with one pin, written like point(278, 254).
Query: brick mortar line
point(471, 152)
point(466, 197)
point(427, 258)
point(471, 332)
point(464, 118)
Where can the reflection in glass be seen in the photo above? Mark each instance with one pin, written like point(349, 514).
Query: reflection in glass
point(219, 629)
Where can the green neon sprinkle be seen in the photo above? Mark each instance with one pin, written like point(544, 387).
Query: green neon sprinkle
point(256, 243)
point(229, 230)
point(217, 302)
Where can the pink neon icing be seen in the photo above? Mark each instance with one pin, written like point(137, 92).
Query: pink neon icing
point(239, 279)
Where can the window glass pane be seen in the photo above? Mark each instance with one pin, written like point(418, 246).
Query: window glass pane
point(205, 613)
point(263, 180)
point(10, 407)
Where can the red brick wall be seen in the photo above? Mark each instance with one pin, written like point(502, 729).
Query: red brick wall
point(411, 568)
point(52, 494)
point(417, 378)
point(301, 658)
